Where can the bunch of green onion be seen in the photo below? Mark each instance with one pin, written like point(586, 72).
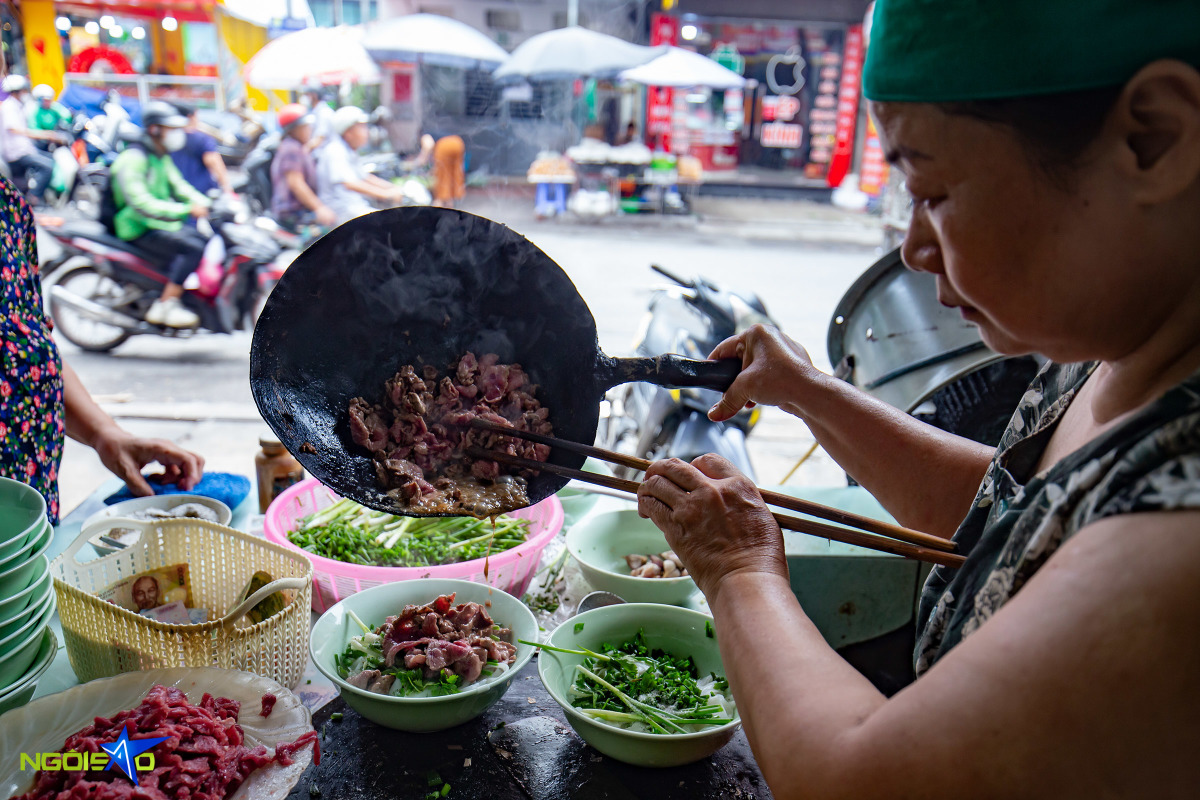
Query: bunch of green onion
point(347, 531)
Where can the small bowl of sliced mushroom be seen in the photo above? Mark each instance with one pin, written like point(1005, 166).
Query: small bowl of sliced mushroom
point(620, 552)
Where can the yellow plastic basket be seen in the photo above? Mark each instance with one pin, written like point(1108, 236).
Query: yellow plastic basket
point(104, 639)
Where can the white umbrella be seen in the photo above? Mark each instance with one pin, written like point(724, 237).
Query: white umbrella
point(572, 53)
point(684, 68)
point(433, 39)
point(324, 55)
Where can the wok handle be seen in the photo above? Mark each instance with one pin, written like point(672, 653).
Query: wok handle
point(673, 372)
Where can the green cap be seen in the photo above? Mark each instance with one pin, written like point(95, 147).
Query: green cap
point(938, 51)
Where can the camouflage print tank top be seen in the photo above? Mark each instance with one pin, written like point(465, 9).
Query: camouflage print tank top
point(1150, 462)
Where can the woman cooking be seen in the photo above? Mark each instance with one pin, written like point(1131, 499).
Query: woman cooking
point(1053, 157)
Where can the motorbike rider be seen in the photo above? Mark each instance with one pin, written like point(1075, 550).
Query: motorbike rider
point(198, 160)
point(17, 138)
point(342, 183)
point(313, 98)
point(151, 201)
point(294, 201)
point(47, 115)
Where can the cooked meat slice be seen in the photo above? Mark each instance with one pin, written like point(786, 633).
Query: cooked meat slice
point(382, 684)
point(363, 679)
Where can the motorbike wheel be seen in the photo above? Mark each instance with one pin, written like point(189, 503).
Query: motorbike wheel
point(88, 334)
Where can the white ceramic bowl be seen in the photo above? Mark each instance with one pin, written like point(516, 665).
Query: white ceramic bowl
point(95, 526)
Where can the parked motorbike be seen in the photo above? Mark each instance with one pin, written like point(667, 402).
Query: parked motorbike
point(99, 287)
point(648, 421)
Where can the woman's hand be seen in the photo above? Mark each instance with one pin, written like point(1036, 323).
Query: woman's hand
point(125, 454)
point(714, 518)
point(774, 371)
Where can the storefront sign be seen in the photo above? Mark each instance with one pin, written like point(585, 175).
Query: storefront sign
point(779, 108)
point(660, 100)
point(663, 29)
point(781, 134)
point(847, 106)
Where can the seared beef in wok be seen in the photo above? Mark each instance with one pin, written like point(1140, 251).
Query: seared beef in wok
point(418, 432)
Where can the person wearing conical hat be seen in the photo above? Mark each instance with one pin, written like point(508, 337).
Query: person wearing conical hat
point(1052, 151)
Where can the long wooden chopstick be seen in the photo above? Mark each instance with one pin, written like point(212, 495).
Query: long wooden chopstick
point(772, 498)
point(833, 532)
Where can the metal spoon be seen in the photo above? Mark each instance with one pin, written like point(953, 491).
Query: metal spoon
point(598, 600)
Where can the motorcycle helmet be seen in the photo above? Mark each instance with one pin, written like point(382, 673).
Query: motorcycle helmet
point(43, 92)
point(157, 112)
point(15, 83)
point(292, 116)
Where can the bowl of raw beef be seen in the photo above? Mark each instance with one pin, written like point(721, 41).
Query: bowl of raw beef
point(425, 654)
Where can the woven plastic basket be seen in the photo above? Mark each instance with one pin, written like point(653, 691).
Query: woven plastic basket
point(511, 570)
point(104, 639)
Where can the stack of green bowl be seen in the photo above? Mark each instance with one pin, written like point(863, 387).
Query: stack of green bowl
point(27, 602)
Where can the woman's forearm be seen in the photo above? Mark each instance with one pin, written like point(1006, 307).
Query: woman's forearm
point(894, 455)
point(85, 420)
point(795, 695)
point(370, 189)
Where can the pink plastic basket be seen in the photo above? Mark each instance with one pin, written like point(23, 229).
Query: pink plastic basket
point(332, 580)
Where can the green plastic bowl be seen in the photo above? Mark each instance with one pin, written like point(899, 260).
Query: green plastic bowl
point(419, 714)
point(679, 631)
point(15, 611)
point(22, 508)
point(25, 552)
point(600, 545)
point(19, 649)
point(20, 694)
point(19, 573)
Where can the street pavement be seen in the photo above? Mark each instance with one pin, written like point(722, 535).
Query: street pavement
point(196, 392)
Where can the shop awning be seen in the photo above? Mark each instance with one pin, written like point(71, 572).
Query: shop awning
point(184, 10)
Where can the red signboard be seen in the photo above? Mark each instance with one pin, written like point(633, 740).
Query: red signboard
point(847, 106)
point(663, 29)
point(660, 100)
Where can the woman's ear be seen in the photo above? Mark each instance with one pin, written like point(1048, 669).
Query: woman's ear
point(1158, 119)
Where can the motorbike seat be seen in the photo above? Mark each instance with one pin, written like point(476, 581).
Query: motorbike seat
point(97, 232)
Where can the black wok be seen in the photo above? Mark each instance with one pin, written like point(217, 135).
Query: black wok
point(423, 286)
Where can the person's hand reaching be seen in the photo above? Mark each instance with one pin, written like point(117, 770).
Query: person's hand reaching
point(125, 454)
point(325, 216)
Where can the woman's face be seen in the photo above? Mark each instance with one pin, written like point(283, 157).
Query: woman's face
point(1038, 266)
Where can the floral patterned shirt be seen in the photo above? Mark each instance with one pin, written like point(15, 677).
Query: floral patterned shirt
point(31, 386)
point(1150, 462)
